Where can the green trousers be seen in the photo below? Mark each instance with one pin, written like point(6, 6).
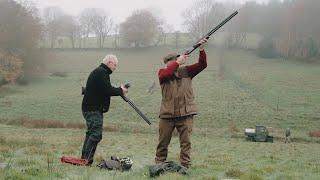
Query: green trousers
point(94, 121)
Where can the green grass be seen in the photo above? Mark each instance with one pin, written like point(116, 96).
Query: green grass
point(213, 156)
point(272, 92)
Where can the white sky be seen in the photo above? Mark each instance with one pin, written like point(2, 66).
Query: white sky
point(170, 10)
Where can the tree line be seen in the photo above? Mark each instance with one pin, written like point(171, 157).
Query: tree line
point(287, 28)
point(140, 29)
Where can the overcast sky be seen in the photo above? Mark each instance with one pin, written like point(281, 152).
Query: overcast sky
point(170, 10)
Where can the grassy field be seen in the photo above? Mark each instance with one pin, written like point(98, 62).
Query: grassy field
point(240, 92)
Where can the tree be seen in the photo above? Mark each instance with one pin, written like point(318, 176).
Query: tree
point(266, 48)
point(70, 28)
point(202, 16)
point(161, 33)
point(140, 28)
point(52, 17)
point(299, 36)
point(20, 27)
point(116, 34)
point(20, 31)
point(101, 25)
point(85, 20)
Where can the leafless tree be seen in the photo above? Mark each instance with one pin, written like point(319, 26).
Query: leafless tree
point(85, 20)
point(202, 16)
point(101, 25)
point(70, 28)
point(116, 35)
point(52, 16)
point(292, 25)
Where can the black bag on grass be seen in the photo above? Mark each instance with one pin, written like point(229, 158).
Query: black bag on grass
point(168, 166)
point(116, 163)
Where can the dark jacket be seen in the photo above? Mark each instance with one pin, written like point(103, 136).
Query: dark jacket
point(98, 90)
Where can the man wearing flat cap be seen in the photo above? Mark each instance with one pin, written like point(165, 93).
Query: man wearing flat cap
point(178, 103)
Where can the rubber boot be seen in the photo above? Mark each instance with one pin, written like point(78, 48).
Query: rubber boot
point(90, 150)
point(84, 147)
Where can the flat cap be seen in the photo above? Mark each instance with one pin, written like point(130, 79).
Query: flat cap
point(169, 57)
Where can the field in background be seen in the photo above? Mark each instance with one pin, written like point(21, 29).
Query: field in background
point(237, 90)
point(183, 40)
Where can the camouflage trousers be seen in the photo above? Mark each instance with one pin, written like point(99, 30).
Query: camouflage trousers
point(184, 128)
point(94, 121)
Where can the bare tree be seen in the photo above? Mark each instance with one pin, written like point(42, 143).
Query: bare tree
point(116, 35)
point(202, 16)
point(101, 25)
point(86, 19)
point(286, 22)
point(70, 28)
point(51, 16)
point(140, 28)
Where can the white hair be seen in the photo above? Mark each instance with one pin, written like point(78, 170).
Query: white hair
point(110, 58)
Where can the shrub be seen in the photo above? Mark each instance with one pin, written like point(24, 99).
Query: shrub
point(234, 173)
point(23, 81)
point(233, 129)
point(311, 48)
point(10, 68)
point(314, 133)
point(266, 48)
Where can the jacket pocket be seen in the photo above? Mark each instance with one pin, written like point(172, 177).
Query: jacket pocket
point(190, 104)
point(166, 108)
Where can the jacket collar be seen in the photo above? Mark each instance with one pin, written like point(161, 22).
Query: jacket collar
point(106, 68)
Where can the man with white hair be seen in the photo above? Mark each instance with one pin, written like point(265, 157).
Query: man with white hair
point(96, 101)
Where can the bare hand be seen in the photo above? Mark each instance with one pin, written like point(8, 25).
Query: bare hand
point(124, 90)
point(203, 42)
point(182, 59)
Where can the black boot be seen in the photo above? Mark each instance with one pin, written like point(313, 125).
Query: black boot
point(84, 147)
point(90, 150)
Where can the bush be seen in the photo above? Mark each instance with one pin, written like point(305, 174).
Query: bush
point(3, 82)
point(233, 129)
point(266, 48)
point(10, 67)
point(22, 80)
point(314, 133)
point(312, 48)
point(234, 173)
